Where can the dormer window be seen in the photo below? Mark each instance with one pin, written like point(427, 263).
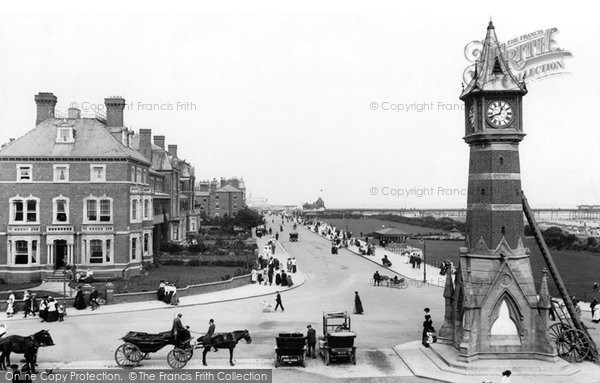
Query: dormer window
point(65, 134)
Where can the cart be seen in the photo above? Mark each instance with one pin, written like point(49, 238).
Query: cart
point(137, 346)
point(571, 337)
point(291, 348)
point(337, 341)
point(293, 237)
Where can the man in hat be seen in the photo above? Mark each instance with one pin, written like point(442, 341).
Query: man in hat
point(177, 327)
point(311, 340)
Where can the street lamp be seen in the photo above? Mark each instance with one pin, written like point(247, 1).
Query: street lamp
point(424, 262)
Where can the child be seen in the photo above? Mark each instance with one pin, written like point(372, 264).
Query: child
point(61, 313)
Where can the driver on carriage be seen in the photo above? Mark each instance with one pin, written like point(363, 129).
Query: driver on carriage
point(180, 334)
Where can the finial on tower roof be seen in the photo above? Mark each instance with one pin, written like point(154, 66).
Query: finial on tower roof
point(490, 25)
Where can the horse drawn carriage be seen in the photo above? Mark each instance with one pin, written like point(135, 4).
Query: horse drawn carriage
point(137, 346)
point(337, 341)
point(294, 236)
point(291, 348)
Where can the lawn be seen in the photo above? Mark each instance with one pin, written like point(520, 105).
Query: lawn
point(368, 225)
point(578, 269)
point(181, 276)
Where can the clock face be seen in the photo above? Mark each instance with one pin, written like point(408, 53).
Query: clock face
point(472, 116)
point(499, 114)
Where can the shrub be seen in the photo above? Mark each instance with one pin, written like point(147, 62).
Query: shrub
point(199, 247)
point(194, 262)
point(170, 247)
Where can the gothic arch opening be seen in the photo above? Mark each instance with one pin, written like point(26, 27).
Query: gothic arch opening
point(505, 322)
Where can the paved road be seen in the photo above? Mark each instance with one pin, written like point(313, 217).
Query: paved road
point(392, 316)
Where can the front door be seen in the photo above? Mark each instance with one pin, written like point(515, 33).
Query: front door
point(60, 251)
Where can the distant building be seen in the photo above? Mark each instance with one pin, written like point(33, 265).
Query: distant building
point(220, 198)
point(319, 204)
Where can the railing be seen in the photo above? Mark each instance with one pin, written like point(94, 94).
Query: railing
point(59, 229)
point(23, 229)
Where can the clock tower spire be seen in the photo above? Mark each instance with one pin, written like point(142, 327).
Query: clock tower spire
point(493, 310)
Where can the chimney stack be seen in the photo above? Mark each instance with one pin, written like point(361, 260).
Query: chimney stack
point(159, 141)
point(114, 111)
point(173, 150)
point(45, 102)
point(145, 146)
point(74, 113)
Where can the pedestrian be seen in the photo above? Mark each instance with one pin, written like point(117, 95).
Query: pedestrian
point(10, 304)
point(278, 302)
point(277, 236)
point(52, 310)
point(311, 341)
point(290, 283)
point(94, 300)
point(427, 328)
point(44, 309)
point(61, 313)
point(294, 266)
point(174, 296)
point(376, 278)
point(254, 276)
point(358, 308)
point(270, 275)
point(595, 311)
point(284, 280)
point(79, 302)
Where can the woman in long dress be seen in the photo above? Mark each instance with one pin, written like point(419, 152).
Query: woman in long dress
point(357, 303)
point(79, 303)
point(595, 311)
point(52, 310)
point(10, 304)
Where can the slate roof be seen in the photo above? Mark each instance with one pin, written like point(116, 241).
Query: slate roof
point(91, 140)
point(228, 189)
point(492, 72)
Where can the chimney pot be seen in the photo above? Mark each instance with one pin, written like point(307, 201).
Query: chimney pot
point(145, 146)
point(45, 101)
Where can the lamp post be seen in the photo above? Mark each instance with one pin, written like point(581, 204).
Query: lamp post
point(424, 263)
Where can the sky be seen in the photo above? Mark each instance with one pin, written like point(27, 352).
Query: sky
point(283, 94)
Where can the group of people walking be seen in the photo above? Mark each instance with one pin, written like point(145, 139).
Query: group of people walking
point(48, 309)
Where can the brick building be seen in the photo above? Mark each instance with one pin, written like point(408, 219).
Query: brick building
point(220, 198)
point(87, 192)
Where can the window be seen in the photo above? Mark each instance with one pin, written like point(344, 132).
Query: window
point(65, 134)
point(61, 210)
point(501, 161)
point(105, 210)
point(138, 177)
point(21, 253)
point(97, 173)
point(108, 244)
point(235, 196)
point(144, 177)
point(96, 251)
point(97, 210)
point(61, 173)
point(175, 231)
point(503, 230)
point(24, 210)
point(24, 173)
point(92, 210)
point(146, 209)
point(134, 248)
point(133, 174)
point(146, 243)
point(482, 191)
point(134, 210)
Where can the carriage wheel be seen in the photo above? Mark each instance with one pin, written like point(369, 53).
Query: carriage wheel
point(177, 358)
point(573, 345)
point(327, 358)
point(128, 355)
point(556, 330)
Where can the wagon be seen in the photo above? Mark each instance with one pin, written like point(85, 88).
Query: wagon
point(337, 341)
point(291, 348)
point(137, 346)
point(571, 343)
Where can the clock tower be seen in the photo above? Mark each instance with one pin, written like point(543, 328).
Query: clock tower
point(492, 307)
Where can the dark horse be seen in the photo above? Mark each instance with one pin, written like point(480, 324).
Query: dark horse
point(27, 345)
point(224, 340)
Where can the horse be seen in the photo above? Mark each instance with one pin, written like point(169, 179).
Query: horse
point(27, 345)
point(224, 340)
